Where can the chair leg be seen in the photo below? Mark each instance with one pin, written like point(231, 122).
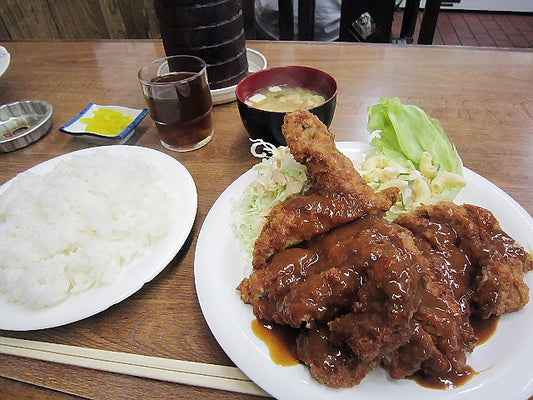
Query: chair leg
point(248, 13)
point(429, 21)
point(286, 20)
point(306, 19)
point(410, 15)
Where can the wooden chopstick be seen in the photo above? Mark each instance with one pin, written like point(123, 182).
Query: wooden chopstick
point(185, 372)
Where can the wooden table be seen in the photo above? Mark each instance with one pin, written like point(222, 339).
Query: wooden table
point(483, 98)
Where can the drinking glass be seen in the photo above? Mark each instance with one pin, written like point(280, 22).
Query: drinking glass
point(178, 97)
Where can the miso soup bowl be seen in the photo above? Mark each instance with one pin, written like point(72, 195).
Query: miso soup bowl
point(266, 125)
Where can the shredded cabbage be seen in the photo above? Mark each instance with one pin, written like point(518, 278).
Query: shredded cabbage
point(278, 177)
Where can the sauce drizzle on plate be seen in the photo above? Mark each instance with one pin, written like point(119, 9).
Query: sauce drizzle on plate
point(279, 340)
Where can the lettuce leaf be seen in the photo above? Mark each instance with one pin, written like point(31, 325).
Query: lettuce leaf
point(402, 133)
point(406, 131)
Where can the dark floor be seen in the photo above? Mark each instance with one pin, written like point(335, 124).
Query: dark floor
point(481, 29)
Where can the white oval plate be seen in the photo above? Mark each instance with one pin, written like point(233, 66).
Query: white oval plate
point(504, 363)
point(142, 270)
point(5, 58)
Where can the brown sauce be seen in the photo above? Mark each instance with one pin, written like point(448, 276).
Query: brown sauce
point(451, 379)
point(484, 328)
point(279, 340)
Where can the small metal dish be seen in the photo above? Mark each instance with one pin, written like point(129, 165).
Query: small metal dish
point(23, 122)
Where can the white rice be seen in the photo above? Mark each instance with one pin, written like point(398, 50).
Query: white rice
point(78, 226)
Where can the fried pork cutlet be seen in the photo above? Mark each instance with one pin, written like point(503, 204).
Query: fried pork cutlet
point(499, 281)
point(398, 294)
point(476, 269)
point(330, 364)
point(305, 286)
point(339, 193)
point(365, 274)
point(361, 291)
point(313, 145)
point(380, 319)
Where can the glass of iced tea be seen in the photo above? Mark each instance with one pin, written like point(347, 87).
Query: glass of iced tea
point(177, 93)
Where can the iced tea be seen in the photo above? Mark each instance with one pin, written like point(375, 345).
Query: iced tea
point(179, 103)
